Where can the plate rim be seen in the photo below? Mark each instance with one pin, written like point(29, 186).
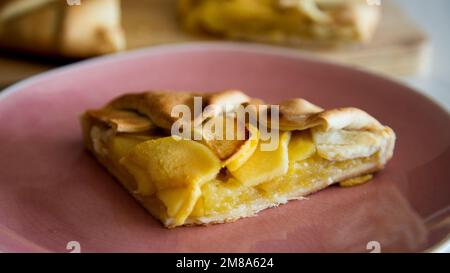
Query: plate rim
point(214, 45)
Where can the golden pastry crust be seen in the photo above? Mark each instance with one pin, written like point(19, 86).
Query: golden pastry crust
point(158, 105)
point(122, 121)
point(348, 133)
point(55, 28)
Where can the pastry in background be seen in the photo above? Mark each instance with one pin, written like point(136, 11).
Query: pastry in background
point(287, 22)
point(53, 27)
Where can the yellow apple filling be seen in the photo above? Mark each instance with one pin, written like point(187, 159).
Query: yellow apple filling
point(356, 181)
point(191, 181)
point(264, 165)
point(303, 174)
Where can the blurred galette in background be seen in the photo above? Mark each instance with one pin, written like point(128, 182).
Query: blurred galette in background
point(293, 22)
point(54, 27)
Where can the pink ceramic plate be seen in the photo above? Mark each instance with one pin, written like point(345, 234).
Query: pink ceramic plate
point(53, 192)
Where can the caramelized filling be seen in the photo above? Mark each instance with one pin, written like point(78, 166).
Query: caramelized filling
point(191, 182)
point(273, 19)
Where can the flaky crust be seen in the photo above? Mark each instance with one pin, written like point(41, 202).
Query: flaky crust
point(294, 114)
point(158, 105)
point(152, 110)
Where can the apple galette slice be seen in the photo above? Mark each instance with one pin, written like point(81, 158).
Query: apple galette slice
point(198, 177)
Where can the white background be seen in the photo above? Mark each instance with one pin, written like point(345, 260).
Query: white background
point(434, 17)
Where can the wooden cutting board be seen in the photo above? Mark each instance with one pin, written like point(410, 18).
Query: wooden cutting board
point(398, 48)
